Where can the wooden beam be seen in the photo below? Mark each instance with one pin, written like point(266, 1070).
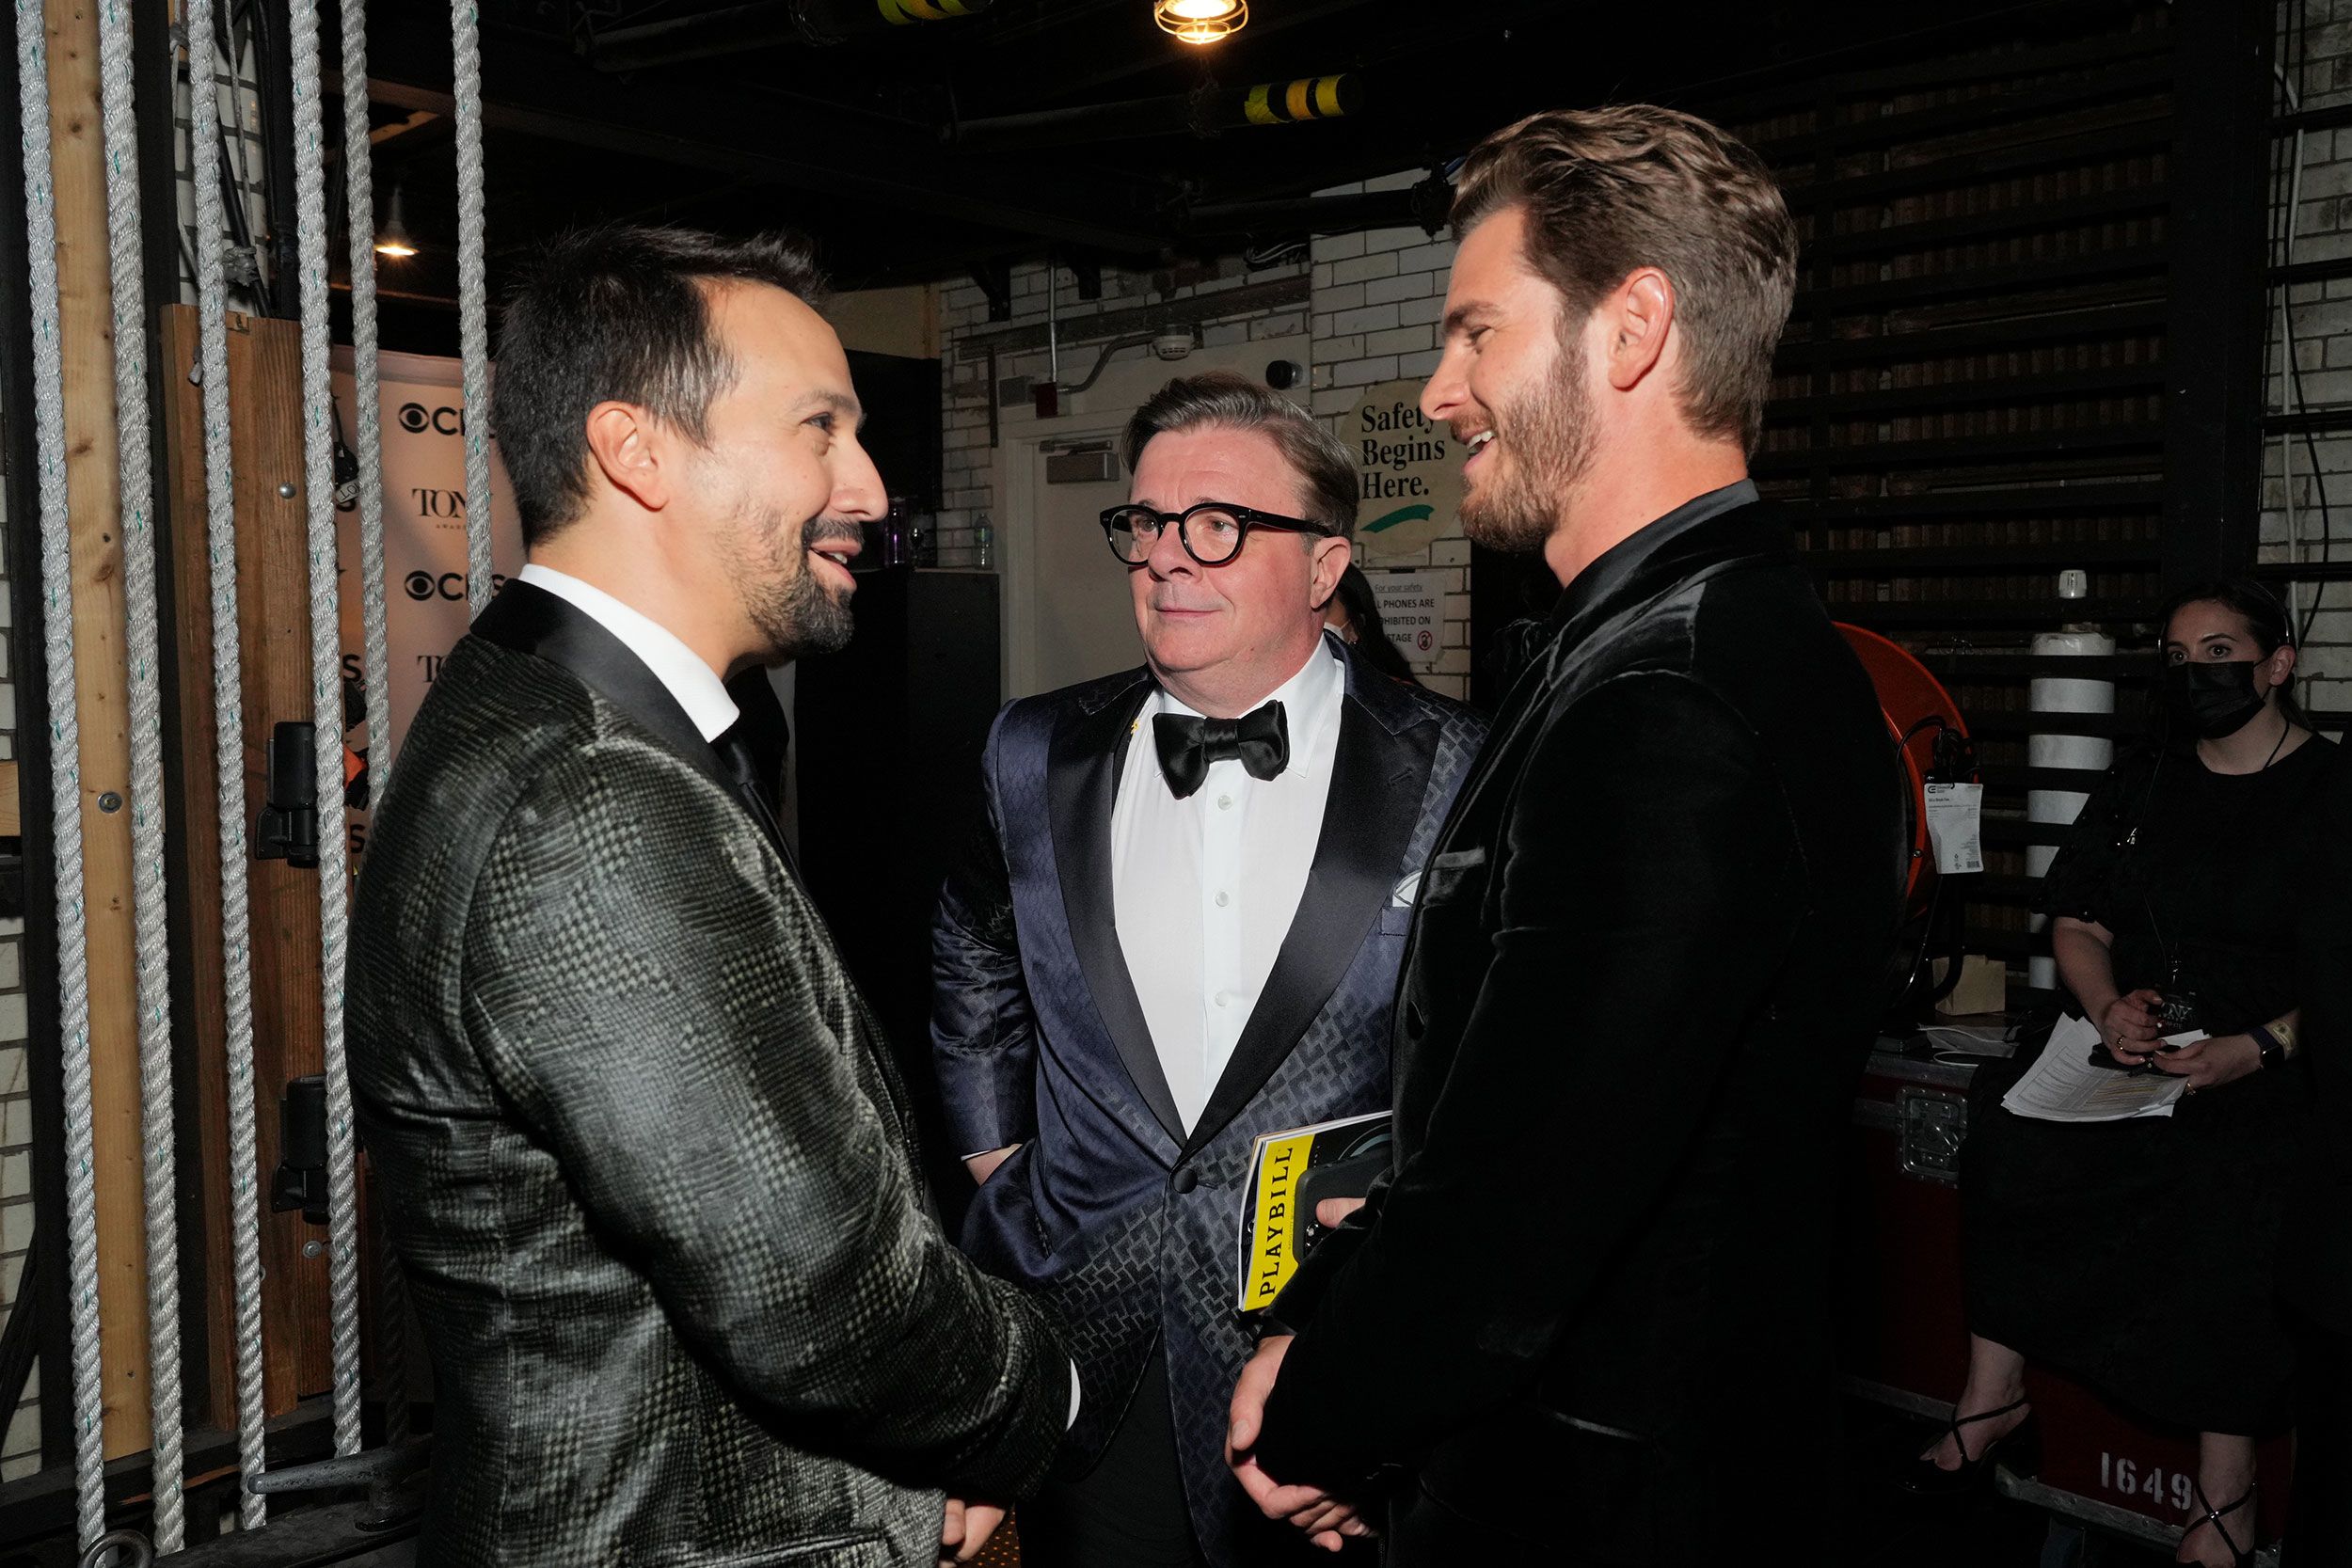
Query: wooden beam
point(101, 699)
point(273, 614)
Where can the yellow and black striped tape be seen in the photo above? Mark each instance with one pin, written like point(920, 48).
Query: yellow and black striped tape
point(899, 13)
point(1308, 98)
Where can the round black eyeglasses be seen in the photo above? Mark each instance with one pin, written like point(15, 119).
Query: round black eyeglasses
point(1211, 532)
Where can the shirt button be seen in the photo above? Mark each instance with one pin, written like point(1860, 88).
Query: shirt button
point(1219, 999)
point(1223, 899)
point(1225, 802)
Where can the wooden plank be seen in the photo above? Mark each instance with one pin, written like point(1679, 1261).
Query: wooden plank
point(11, 812)
point(273, 608)
point(101, 699)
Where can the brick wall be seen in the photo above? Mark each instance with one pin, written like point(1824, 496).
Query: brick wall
point(1379, 295)
point(970, 476)
point(1374, 302)
point(2295, 489)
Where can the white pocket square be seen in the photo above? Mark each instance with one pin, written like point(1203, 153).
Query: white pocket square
point(1407, 889)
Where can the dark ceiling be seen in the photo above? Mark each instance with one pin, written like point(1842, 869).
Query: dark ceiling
point(717, 115)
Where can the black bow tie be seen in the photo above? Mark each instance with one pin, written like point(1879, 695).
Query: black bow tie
point(1260, 740)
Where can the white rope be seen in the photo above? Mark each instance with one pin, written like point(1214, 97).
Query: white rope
point(220, 508)
point(65, 773)
point(474, 311)
point(367, 436)
point(326, 698)
point(126, 259)
point(367, 431)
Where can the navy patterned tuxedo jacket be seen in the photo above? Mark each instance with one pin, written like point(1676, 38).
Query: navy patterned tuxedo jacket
point(1124, 1223)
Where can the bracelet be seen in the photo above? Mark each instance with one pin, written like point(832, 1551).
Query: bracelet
point(2274, 1053)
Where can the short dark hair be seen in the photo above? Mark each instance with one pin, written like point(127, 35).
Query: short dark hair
point(1629, 185)
point(617, 313)
point(1329, 488)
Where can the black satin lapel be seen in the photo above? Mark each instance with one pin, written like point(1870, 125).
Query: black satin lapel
point(529, 619)
point(1082, 785)
point(1378, 779)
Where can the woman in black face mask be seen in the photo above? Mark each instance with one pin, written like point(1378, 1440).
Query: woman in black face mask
point(2137, 1254)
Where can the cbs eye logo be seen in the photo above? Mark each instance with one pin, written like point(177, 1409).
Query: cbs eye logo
point(448, 585)
point(416, 418)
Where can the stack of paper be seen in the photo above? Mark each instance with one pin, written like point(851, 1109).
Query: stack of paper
point(2064, 1086)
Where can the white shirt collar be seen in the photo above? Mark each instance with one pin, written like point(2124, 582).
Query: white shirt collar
point(1311, 700)
point(677, 667)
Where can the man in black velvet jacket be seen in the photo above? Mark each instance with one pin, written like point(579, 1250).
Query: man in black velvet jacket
point(1586, 1317)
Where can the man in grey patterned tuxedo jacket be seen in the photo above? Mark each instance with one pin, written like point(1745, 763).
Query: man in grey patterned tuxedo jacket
point(646, 1159)
point(1180, 928)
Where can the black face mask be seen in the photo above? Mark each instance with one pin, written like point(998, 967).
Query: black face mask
point(2211, 700)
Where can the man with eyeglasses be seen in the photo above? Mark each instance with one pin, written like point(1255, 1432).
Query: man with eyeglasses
point(1180, 928)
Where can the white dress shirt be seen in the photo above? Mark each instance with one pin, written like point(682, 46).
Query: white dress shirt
point(1203, 889)
point(678, 667)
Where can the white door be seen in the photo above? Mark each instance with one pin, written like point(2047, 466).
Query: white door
point(1069, 614)
point(1084, 620)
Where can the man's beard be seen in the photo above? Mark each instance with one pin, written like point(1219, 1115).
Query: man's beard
point(793, 611)
point(1545, 439)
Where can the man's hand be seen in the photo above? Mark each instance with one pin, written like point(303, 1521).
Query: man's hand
point(965, 1528)
point(982, 1166)
point(1323, 1519)
point(1332, 1211)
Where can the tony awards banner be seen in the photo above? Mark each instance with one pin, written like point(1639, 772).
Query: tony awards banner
point(422, 418)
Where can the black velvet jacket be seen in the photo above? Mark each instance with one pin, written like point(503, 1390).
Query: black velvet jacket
point(1586, 1317)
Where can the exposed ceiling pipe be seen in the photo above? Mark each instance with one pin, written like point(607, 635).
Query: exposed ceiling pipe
point(1203, 111)
point(765, 24)
point(1422, 206)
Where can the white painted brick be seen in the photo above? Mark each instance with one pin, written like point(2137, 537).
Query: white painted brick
point(1393, 239)
point(1365, 372)
point(22, 1467)
point(1333, 400)
point(1372, 318)
point(1379, 291)
point(12, 1016)
point(1364, 268)
point(1338, 247)
point(1330, 350)
point(1340, 296)
point(1436, 256)
point(1288, 324)
point(1224, 334)
point(1412, 312)
point(1399, 339)
point(1450, 553)
point(16, 1174)
point(1421, 364)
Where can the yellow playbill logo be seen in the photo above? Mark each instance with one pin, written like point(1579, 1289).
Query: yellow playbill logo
point(1290, 1171)
point(1272, 1258)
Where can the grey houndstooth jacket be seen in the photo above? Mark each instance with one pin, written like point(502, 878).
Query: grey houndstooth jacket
point(647, 1160)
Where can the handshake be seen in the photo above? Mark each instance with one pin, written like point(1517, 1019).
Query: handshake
point(1327, 1519)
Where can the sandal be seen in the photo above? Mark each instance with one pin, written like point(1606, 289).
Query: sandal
point(1924, 1477)
point(2243, 1557)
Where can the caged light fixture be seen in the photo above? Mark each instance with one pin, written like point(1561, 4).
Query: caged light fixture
point(1200, 21)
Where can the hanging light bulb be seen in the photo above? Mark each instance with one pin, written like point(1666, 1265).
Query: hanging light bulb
point(392, 239)
point(1200, 21)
